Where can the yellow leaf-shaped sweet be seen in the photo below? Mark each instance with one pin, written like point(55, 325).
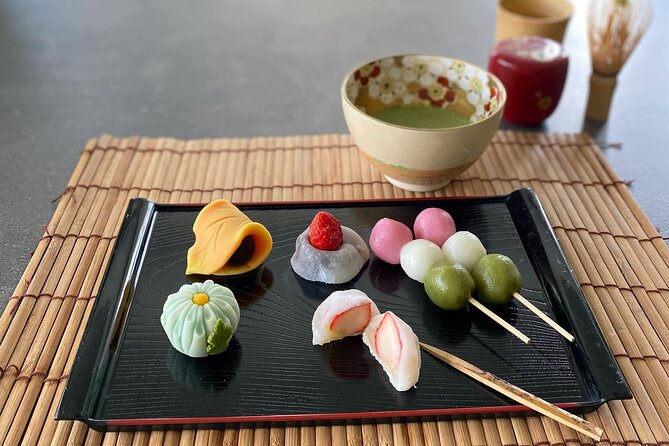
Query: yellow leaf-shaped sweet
point(227, 242)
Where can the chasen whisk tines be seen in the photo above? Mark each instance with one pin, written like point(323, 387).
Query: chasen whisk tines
point(614, 30)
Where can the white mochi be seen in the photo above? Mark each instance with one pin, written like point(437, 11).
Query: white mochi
point(417, 256)
point(464, 248)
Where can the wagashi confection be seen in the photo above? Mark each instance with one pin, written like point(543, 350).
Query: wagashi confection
point(343, 313)
point(435, 225)
point(417, 256)
point(387, 238)
point(227, 242)
point(497, 279)
point(200, 318)
point(464, 248)
point(390, 340)
point(329, 252)
point(394, 344)
point(449, 285)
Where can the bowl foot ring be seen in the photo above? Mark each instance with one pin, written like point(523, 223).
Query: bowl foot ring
point(416, 187)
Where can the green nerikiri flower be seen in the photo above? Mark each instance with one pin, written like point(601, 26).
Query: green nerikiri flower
point(200, 318)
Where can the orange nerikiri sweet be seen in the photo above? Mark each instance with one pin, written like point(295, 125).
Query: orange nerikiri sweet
point(227, 242)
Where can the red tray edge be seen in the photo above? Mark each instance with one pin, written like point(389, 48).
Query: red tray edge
point(334, 416)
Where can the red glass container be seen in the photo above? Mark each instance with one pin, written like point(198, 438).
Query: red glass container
point(533, 69)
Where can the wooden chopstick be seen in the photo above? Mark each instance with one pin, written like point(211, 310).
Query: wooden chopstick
point(516, 393)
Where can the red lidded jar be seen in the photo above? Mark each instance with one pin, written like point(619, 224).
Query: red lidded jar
point(533, 69)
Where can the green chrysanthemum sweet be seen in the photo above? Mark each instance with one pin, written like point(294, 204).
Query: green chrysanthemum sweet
point(200, 318)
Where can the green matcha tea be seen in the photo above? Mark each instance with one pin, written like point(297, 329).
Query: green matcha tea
point(421, 116)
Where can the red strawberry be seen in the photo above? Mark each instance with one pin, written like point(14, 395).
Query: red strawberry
point(325, 232)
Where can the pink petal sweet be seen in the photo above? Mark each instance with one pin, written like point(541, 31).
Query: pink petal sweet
point(387, 238)
point(435, 225)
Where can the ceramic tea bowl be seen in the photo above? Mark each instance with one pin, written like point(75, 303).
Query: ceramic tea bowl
point(421, 120)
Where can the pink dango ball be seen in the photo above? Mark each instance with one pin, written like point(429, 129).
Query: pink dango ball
point(435, 225)
point(387, 238)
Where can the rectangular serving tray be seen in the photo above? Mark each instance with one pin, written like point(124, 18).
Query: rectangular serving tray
point(127, 375)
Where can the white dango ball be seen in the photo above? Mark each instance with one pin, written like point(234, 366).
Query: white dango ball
point(417, 256)
point(464, 248)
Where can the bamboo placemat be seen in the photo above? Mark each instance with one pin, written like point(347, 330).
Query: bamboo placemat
point(620, 260)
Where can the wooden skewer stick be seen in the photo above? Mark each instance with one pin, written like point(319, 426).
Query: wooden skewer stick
point(544, 318)
point(510, 328)
point(516, 393)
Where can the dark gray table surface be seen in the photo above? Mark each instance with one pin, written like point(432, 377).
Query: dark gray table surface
point(193, 69)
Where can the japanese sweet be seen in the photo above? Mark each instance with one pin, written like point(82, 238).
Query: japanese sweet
point(200, 318)
point(394, 344)
point(435, 225)
point(328, 252)
point(387, 238)
point(343, 313)
point(417, 256)
point(464, 248)
point(227, 242)
point(449, 285)
point(497, 279)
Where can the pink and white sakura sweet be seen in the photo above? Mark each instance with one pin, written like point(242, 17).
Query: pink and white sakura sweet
point(343, 313)
point(394, 344)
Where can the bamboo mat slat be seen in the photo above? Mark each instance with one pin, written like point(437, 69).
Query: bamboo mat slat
point(620, 260)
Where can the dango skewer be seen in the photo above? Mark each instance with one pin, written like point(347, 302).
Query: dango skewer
point(450, 286)
point(510, 328)
point(498, 281)
point(541, 315)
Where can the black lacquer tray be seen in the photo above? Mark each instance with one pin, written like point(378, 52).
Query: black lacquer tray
point(126, 374)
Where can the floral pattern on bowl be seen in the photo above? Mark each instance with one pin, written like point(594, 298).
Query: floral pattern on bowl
point(424, 80)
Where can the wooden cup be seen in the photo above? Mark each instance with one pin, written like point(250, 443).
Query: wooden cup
point(546, 18)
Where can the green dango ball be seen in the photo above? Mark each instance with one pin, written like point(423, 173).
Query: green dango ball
point(449, 285)
point(496, 278)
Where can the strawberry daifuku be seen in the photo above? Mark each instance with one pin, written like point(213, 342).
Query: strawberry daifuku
point(387, 238)
point(342, 314)
point(394, 344)
point(435, 225)
point(329, 252)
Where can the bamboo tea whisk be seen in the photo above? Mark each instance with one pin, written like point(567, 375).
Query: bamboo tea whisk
point(615, 28)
